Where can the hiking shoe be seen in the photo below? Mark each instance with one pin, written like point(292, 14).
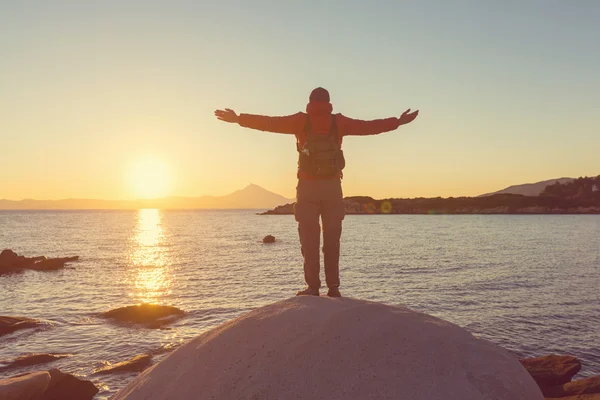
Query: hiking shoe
point(334, 292)
point(308, 292)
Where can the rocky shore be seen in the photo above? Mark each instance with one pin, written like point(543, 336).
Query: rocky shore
point(346, 348)
point(367, 349)
point(318, 347)
point(56, 385)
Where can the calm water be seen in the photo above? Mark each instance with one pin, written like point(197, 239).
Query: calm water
point(528, 283)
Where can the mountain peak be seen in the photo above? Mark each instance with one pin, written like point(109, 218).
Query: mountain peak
point(253, 186)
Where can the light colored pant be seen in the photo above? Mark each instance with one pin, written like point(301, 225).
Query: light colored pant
point(323, 198)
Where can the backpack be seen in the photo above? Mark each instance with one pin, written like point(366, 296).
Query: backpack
point(321, 155)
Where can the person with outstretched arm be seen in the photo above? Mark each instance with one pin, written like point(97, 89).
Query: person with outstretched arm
point(319, 135)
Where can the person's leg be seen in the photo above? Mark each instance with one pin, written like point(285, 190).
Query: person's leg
point(306, 212)
point(332, 216)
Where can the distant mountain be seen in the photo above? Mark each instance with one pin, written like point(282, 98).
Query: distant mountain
point(252, 196)
point(529, 189)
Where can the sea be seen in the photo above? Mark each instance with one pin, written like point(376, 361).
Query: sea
point(529, 283)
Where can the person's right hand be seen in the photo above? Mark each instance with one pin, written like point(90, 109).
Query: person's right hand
point(227, 115)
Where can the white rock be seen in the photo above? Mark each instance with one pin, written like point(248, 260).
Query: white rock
point(323, 348)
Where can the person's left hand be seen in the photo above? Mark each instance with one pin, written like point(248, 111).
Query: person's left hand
point(227, 115)
point(408, 116)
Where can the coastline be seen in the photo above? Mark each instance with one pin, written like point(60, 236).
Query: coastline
point(509, 204)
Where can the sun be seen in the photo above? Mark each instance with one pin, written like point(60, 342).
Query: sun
point(149, 178)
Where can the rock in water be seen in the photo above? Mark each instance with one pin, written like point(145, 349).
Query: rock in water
point(269, 239)
point(12, 324)
point(51, 264)
point(312, 347)
point(47, 385)
point(67, 386)
point(552, 369)
point(151, 315)
point(12, 262)
point(586, 386)
point(32, 359)
point(30, 386)
point(136, 364)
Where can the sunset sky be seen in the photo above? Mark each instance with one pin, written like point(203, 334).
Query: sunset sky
point(115, 99)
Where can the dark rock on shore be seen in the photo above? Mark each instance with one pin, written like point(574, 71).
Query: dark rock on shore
point(574, 388)
point(553, 375)
point(269, 239)
point(12, 324)
point(47, 385)
point(552, 369)
point(149, 315)
point(12, 262)
point(31, 359)
point(135, 364)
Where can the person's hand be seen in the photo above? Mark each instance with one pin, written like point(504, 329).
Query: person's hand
point(227, 115)
point(408, 116)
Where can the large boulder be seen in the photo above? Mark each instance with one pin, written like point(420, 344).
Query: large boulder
point(149, 315)
point(135, 364)
point(552, 369)
point(312, 347)
point(12, 324)
point(31, 359)
point(30, 386)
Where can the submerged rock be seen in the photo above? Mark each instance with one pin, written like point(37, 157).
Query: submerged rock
point(31, 359)
point(150, 315)
point(269, 239)
point(135, 364)
point(12, 324)
point(12, 262)
point(552, 369)
point(311, 347)
point(47, 385)
point(51, 264)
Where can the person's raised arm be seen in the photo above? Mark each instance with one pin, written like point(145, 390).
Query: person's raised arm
point(288, 124)
point(359, 127)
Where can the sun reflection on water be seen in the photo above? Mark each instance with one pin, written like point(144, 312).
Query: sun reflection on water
point(150, 280)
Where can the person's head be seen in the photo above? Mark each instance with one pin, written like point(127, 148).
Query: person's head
point(319, 95)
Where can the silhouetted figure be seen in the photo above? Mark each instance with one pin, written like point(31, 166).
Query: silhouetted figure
point(319, 135)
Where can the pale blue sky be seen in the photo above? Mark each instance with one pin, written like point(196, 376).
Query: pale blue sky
point(509, 92)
